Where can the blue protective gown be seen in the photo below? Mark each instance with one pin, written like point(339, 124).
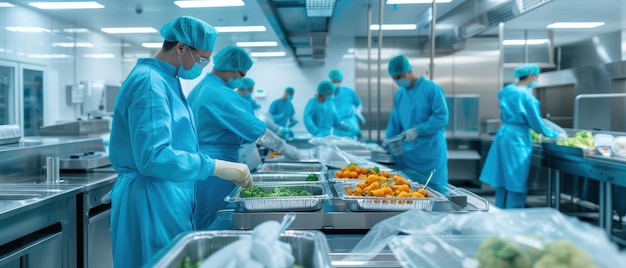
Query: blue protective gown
point(281, 111)
point(225, 120)
point(255, 105)
point(320, 118)
point(345, 101)
point(153, 147)
point(423, 107)
point(508, 161)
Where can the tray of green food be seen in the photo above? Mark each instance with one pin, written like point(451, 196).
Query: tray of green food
point(284, 196)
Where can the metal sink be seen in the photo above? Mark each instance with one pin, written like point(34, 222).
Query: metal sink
point(12, 196)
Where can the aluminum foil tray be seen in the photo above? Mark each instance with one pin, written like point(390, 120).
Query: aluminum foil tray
point(333, 178)
point(306, 156)
point(371, 203)
point(309, 248)
point(286, 177)
point(320, 192)
point(292, 167)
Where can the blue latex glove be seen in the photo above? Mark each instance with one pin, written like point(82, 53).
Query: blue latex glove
point(410, 135)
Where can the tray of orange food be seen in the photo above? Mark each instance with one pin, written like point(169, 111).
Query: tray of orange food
point(381, 193)
point(355, 173)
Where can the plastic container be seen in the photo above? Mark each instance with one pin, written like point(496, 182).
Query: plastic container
point(619, 146)
point(603, 143)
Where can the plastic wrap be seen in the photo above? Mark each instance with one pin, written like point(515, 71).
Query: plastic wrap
point(451, 240)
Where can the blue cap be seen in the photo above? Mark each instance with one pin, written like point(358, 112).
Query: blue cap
point(398, 65)
point(231, 59)
point(325, 88)
point(289, 90)
point(526, 70)
point(190, 31)
point(335, 75)
point(247, 83)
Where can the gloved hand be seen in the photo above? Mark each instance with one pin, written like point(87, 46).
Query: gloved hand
point(291, 152)
point(292, 122)
point(410, 134)
point(358, 112)
point(237, 173)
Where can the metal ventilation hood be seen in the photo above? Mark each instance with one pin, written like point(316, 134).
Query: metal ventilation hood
point(302, 26)
point(477, 16)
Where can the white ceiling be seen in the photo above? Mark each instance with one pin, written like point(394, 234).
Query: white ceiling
point(349, 19)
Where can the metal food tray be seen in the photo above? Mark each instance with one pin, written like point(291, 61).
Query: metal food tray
point(332, 178)
point(292, 167)
point(320, 191)
point(372, 203)
point(306, 156)
point(309, 248)
point(553, 149)
point(286, 177)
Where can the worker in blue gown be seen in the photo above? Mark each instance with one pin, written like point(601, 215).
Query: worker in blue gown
point(245, 90)
point(225, 120)
point(420, 115)
point(347, 103)
point(154, 148)
point(320, 116)
point(508, 162)
point(282, 109)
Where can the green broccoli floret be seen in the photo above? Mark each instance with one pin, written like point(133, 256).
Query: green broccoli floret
point(563, 253)
point(496, 252)
point(301, 193)
point(312, 177)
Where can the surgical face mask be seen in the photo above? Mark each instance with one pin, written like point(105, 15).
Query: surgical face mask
point(532, 84)
point(289, 98)
point(403, 82)
point(234, 83)
point(192, 73)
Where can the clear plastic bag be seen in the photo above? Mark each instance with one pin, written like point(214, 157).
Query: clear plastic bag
point(451, 240)
point(557, 128)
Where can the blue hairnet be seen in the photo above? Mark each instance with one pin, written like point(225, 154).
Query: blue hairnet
point(325, 88)
point(526, 70)
point(335, 75)
point(247, 83)
point(398, 65)
point(232, 58)
point(190, 31)
point(289, 90)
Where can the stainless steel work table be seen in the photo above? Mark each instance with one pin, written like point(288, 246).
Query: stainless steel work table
point(608, 171)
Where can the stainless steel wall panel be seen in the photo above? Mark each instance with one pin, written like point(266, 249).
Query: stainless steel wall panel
point(601, 49)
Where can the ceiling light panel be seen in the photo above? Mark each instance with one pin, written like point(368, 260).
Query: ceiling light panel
point(72, 44)
point(152, 45)
point(99, 56)
point(267, 54)
point(395, 27)
point(6, 4)
point(209, 3)
point(574, 25)
point(400, 2)
point(123, 30)
point(239, 29)
point(66, 5)
point(320, 8)
point(26, 29)
point(257, 44)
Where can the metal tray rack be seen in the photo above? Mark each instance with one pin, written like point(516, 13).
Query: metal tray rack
point(306, 156)
point(320, 192)
point(286, 177)
point(292, 167)
point(309, 248)
point(372, 203)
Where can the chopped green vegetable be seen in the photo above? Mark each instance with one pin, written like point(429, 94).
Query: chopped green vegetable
point(582, 139)
point(374, 170)
point(276, 192)
point(187, 263)
point(312, 177)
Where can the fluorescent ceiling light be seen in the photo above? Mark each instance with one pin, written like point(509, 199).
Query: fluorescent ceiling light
point(374, 27)
point(72, 44)
point(152, 45)
point(137, 55)
point(76, 30)
point(574, 25)
point(23, 29)
point(257, 44)
point(122, 30)
point(267, 54)
point(6, 4)
point(514, 42)
point(99, 56)
point(236, 29)
point(49, 56)
point(399, 2)
point(209, 3)
point(66, 5)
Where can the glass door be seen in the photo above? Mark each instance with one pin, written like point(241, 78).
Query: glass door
point(8, 98)
point(33, 111)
